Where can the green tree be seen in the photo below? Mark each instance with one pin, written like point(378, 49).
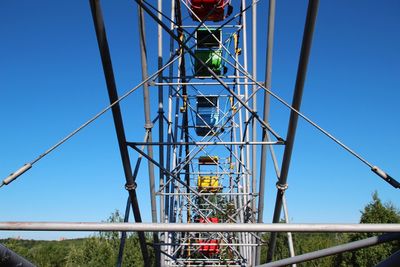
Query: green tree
point(102, 249)
point(374, 212)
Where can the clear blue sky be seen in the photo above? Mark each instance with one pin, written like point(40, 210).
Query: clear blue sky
point(51, 81)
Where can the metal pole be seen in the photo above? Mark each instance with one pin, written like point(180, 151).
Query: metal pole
point(185, 119)
point(372, 241)
point(169, 203)
point(123, 235)
point(246, 150)
point(297, 97)
point(199, 227)
point(203, 143)
point(264, 148)
point(148, 125)
point(392, 261)
point(284, 205)
point(160, 110)
point(127, 211)
point(289, 234)
point(10, 258)
point(254, 125)
point(161, 125)
point(118, 123)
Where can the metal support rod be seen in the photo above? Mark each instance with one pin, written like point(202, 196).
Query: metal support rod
point(160, 110)
point(170, 237)
point(185, 119)
point(27, 166)
point(289, 234)
point(253, 122)
point(392, 261)
point(10, 258)
point(123, 234)
point(378, 171)
point(201, 83)
point(148, 124)
point(116, 111)
point(296, 104)
point(284, 204)
point(372, 241)
point(243, 135)
point(206, 143)
point(161, 122)
point(199, 227)
point(127, 211)
point(264, 148)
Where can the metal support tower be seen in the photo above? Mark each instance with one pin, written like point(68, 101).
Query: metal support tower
point(209, 171)
point(210, 207)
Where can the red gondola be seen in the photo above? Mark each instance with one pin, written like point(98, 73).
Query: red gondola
point(209, 247)
point(212, 10)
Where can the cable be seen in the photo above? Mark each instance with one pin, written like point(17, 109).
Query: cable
point(27, 166)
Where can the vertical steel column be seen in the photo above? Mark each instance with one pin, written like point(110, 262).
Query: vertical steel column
point(264, 148)
point(243, 200)
point(161, 124)
point(118, 123)
point(148, 126)
point(185, 119)
point(296, 104)
point(160, 110)
point(169, 200)
point(253, 123)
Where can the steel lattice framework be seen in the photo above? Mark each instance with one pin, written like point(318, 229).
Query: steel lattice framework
point(209, 132)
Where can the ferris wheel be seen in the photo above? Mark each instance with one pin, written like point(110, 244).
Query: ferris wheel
point(207, 147)
point(209, 176)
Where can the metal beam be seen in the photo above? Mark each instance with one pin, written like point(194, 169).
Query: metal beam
point(268, 77)
point(120, 256)
point(148, 123)
point(118, 123)
point(296, 104)
point(10, 258)
point(264, 148)
point(392, 261)
point(372, 241)
point(198, 227)
point(160, 121)
point(127, 211)
point(205, 143)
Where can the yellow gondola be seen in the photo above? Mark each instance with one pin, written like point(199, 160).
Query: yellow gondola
point(208, 183)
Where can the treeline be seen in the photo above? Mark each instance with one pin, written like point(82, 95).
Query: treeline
point(374, 212)
point(99, 250)
point(92, 251)
point(102, 248)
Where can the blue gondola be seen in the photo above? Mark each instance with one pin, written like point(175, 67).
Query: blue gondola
point(207, 115)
